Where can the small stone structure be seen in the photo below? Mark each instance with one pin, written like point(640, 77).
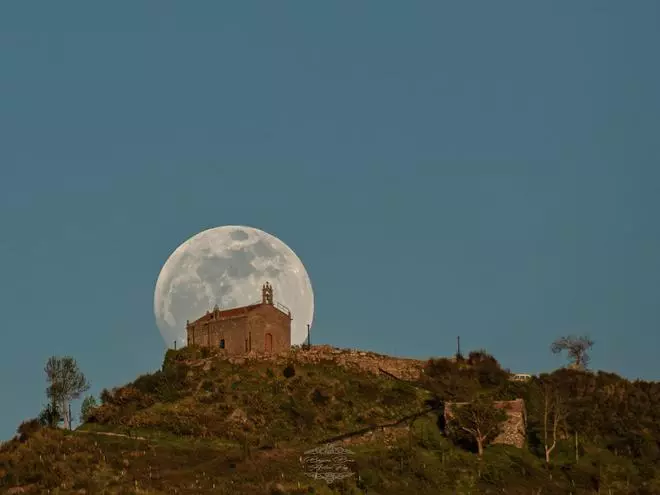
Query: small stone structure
point(513, 429)
point(263, 327)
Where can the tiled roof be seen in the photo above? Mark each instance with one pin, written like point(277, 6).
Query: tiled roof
point(237, 311)
point(227, 313)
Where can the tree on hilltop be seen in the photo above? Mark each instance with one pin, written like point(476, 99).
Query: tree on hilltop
point(66, 383)
point(577, 349)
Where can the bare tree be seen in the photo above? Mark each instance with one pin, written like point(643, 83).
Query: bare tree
point(554, 412)
point(66, 383)
point(576, 347)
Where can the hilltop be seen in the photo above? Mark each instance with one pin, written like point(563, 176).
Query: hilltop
point(208, 424)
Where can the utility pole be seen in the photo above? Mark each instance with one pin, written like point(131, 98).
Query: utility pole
point(175, 344)
point(309, 337)
point(458, 348)
point(70, 419)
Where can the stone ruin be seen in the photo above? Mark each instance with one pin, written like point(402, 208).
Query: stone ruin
point(513, 429)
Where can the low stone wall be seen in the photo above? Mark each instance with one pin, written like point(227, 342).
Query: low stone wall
point(403, 368)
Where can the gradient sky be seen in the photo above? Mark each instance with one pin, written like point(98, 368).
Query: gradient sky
point(483, 169)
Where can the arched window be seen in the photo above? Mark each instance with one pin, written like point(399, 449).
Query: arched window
point(222, 343)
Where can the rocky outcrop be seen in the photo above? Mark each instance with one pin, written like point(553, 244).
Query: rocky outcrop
point(238, 416)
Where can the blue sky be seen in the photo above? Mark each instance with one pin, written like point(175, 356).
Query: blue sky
point(482, 169)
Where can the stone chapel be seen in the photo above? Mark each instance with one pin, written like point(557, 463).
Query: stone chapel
point(264, 327)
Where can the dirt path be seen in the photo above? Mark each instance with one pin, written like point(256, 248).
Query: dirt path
point(110, 434)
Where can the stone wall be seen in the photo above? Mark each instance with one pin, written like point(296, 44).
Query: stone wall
point(404, 368)
point(265, 320)
point(243, 330)
point(513, 430)
point(232, 330)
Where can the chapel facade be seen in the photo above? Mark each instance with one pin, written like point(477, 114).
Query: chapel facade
point(264, 327)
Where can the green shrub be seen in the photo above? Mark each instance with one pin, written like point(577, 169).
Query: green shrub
point(289, 371)
point(50, 416)
point(104, 414)
point(87, 406)
point(106, 396)
point(319, 398)
point(28, 428)
point(149, 383)
point(368, 390)
point(174, 382)
point(429, 436)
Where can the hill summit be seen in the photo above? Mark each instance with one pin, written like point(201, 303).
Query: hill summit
point(325, 420)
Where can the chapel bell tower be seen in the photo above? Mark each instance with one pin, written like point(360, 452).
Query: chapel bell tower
point(267, 294)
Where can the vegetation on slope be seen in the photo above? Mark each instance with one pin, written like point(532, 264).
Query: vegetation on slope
point(204, 425)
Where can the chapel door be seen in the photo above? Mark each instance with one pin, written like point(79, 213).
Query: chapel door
point(269, 342)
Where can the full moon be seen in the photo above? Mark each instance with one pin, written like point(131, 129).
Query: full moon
point(227, 266)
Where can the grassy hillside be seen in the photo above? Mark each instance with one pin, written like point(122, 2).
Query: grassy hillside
point(205, 425)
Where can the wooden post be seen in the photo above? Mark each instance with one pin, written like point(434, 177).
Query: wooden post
point(175, 344)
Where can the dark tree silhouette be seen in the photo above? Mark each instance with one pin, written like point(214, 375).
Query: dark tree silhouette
point(480, 418)
point(577, 349)
point(50, 416)
point(88, 404)
point(28, 429)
